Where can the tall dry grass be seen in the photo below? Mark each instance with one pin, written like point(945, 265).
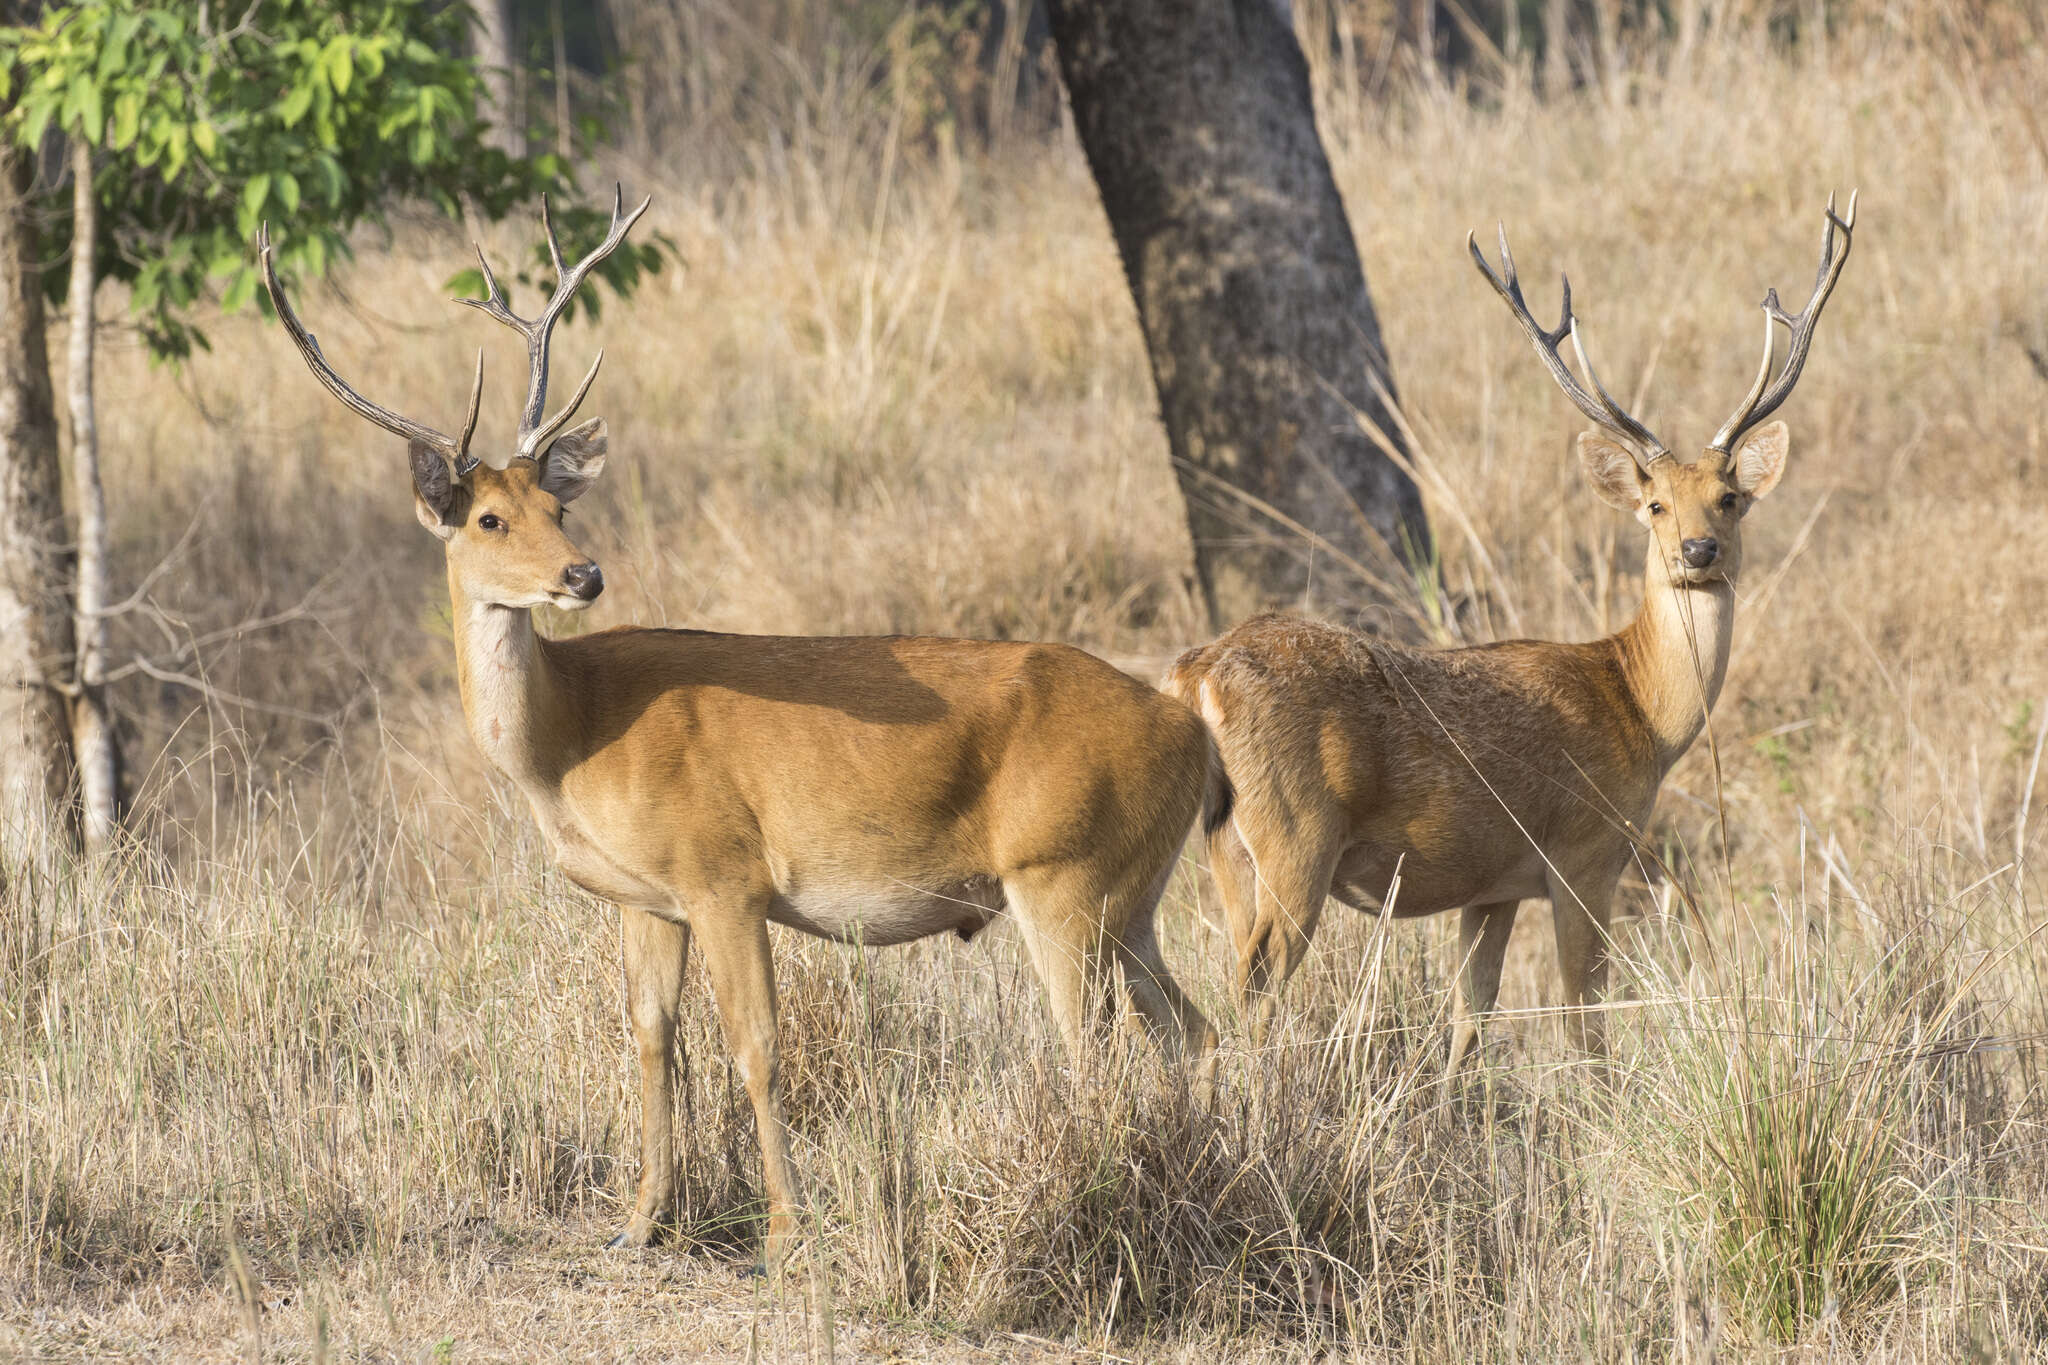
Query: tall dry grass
point(336, 1030)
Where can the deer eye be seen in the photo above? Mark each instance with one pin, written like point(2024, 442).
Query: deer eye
point(1656, 509)
point(1728, 501)
point(488, 522)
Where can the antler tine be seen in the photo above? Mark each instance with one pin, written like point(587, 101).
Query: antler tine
point(464, 462)
point(1601, 409)
point(456, 449)
point(1766, 396)
point(534, 433)
point(1617, 417)
point(547, 224)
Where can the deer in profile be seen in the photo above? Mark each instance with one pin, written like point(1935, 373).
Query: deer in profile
point(1490, 775)
point(874, 790)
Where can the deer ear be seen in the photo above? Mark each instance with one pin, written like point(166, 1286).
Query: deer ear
point(575, 460)
point(1613, 472)
point(433, 488)
point(1759, 462)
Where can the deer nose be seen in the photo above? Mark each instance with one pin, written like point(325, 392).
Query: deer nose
point(1699, 553)
point(584, 580)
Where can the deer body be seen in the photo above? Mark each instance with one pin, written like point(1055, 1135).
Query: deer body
point(1475, 779)
point(891, 786)
point(867, 790)
point(1480, 777)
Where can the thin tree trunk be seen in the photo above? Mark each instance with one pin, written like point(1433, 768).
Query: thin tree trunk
point(1198, 125)
point(565, 146)
point(92, 734)
point(1557, 40)
point(496, 63)
point(36, 649)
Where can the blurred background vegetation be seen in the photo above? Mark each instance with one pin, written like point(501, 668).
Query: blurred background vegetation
point(699, 82)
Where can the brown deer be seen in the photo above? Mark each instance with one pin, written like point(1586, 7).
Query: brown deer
point(1486, 776)
point(872, 790)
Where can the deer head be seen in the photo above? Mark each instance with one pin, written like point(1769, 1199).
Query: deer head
point(501, 526)
point(1693, 510)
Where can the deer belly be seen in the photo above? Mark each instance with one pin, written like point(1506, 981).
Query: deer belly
point(1428, 886)
point(863, 911)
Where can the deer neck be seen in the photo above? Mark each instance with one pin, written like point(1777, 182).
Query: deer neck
point(510, 694)
point(1675, 655)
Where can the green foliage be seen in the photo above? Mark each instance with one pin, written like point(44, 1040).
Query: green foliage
point(322, 115)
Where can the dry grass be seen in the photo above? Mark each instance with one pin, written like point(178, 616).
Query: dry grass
point(335, 1056)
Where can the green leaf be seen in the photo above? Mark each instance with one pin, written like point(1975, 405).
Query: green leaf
point(254, 193)
point(174, 150)
point(127, 116)
point(206, 139)
point(114, 48)
point(91, 115)
point(238, 293)
point(38, 121)
point(288, 191)
point(333, 183)
point(293, 106)
point(340, 64)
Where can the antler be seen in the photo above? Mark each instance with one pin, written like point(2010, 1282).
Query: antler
point(1760, 404)
point(534, 434)
point(1597, 405)
point(455, 448)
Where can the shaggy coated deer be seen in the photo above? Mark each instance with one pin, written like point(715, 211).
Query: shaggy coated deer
point(1489, 775)
point(872, 790)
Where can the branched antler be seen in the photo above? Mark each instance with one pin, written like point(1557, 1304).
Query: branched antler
point(455, 448)
point(534, 434)
point(1598, 405)
point(1760, 403)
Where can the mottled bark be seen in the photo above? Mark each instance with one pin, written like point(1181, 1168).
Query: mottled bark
point(1197, 122)
point(92, 731)
point(36, 646)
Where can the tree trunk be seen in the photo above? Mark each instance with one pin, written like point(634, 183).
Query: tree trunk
point(92, 734)
point(496, 63)
point(1197, 122)
point(36, 649)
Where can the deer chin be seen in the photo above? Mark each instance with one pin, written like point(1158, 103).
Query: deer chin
point(569, 601)
point(1683, 576)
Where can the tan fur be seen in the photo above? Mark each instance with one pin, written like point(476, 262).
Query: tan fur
point(1482, 777)
point(878, 790)
point(866, 790)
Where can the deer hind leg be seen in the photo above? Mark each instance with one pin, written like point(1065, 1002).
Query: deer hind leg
point(655, 950)
point(1290, 879)
point(1579, 909)
point(1482, 945)
point(742, 971)
point(1060, 915)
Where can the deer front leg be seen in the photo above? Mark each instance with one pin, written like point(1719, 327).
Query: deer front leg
point(654, 951)
point(1579, 910)
point(736, 954)
point(1483, 932)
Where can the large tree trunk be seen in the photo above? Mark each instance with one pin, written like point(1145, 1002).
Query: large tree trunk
point(92, 732)
point(36, 828)
point(1198, 125)
point(496, 63)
